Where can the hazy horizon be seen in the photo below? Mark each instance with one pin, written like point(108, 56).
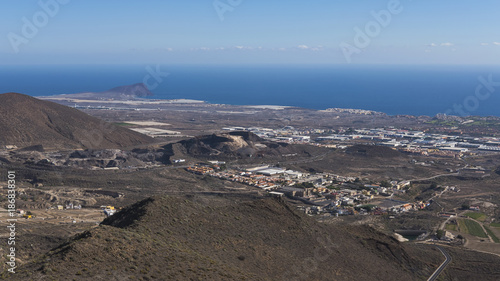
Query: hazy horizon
point(242, 32)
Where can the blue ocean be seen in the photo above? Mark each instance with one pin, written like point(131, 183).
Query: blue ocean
point(393, 89)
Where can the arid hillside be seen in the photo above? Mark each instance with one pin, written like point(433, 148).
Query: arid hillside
point(200, 237)
point(244, 147)
point(27, 121)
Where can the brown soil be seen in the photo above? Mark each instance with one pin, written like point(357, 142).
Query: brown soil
point(228, 238)
point(27, 121)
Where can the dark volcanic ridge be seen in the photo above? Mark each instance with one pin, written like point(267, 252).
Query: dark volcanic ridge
point(233, 143)
point(234, 146)
point(373, 151)
point(202, 237)
point(27, 121)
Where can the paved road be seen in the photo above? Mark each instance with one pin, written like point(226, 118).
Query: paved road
point(437, 176)
point(443, 225)
point(457, 173)
point(442, 266)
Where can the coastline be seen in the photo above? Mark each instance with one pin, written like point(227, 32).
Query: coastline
point(130, 102)
point(94, 103)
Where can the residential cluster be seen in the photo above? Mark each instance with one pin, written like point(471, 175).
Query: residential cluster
point(354, 111)
point(321, 192)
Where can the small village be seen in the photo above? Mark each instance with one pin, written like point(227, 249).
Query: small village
point(320, 193)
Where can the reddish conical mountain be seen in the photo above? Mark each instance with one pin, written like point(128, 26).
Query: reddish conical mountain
point(27, 121)
point(128, 92)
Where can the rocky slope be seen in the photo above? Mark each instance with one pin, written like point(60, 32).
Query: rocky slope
point(203, 237)
point(237, 146)
point(27, 121)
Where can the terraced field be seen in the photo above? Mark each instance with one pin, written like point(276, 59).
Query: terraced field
point(492, 235)
point(451, 227)
point(471, 227)
point(476, 216)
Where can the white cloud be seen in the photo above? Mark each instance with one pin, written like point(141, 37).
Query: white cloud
point(243, 47)
point(496, 43)
point(305, 47)
point(227, 48)
point(200, 49)
point(446, 44)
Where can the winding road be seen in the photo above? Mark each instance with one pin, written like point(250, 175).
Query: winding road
point(442, 266)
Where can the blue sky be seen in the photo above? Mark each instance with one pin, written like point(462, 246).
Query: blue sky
point(245, 31)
